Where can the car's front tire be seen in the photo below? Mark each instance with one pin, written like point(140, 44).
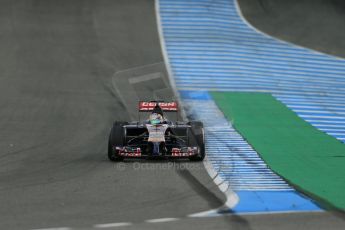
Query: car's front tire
point(196, 138)
point(116, 138)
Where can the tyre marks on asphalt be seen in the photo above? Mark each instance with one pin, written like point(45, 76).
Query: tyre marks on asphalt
point(146, 83)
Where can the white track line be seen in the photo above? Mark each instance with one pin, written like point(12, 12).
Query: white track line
point(161, 220)
point(112, 225)
point(59, 228)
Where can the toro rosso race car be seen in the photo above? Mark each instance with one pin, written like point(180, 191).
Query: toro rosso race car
point(156, 136)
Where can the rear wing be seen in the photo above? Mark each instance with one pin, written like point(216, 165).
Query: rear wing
point(147, 106)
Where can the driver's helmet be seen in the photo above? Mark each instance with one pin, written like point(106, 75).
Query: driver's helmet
point(155, 119)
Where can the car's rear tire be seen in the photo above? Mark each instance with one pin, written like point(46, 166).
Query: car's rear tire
point(116, 138)
point(196, 137)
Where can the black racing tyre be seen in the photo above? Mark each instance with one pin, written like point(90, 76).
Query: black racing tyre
point(196, 138)
point(116, 138)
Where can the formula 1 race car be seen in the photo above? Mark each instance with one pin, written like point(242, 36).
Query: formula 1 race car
point(157, 137)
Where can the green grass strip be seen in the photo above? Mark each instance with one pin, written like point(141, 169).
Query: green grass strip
point(307, 158)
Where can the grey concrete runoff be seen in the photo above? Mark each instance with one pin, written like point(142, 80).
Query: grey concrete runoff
point(58, 60)
point(315, 24)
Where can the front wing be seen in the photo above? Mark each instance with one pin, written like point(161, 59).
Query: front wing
point(134, 152)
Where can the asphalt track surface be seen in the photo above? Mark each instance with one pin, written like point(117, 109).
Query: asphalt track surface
point(58, 101)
